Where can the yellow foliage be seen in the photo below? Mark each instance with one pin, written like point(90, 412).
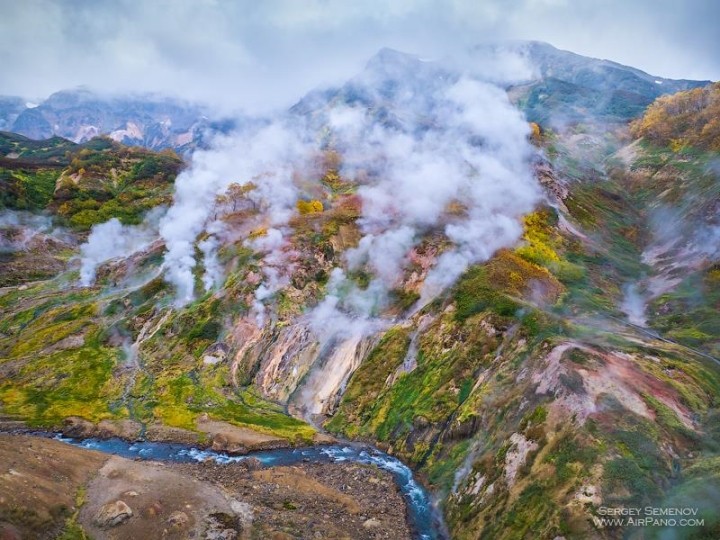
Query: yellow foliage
point(689, 118)
point(513, 274)
point(335, 182)
point(713, 277)
point(538, 252)
point(539, 240)
point(456, 208)
point(309, 207)
point(332, 177)
point(260, 231)
point(237, 193)
point(535, 133)
point(515, 279)
point(676, 145)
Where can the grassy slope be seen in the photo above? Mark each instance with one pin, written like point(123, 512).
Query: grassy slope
point(471, 389)
point(52, 375)
point(64, 350)
point(84, 184)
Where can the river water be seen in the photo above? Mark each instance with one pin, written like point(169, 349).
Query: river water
point(423, 518)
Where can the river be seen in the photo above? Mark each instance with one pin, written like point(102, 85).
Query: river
point(424, 519)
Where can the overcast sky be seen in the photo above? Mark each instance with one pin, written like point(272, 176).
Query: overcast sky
point(260, 54)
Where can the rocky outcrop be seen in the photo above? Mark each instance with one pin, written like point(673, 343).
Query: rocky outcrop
point(178, 520)
point(320, 390)
point(225, 437)
point(216, 353)
point(79, 428)
point(159, 432)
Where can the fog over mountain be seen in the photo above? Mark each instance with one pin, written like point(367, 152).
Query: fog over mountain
point(264, 55)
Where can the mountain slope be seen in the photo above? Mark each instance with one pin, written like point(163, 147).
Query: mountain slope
point(558, 84)
point(551, 86)
point(79, 115)
point(531, 410)
point(564, 360)
point(570, 87)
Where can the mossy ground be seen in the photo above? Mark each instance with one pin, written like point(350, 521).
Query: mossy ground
point(52, 379)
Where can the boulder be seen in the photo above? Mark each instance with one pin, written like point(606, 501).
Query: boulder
point(220, 526)
point(112, 514)
point(221, 442)
point(178, 520)
point(215, 353)
point(125, 429)
point(153, 510)
point(371, 523)
point(252, 463)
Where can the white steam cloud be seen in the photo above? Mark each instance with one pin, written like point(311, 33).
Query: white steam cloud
point(431, 152)
point(213, 272)
point(436, 159)
point(266, 157)
point(466, 147)
point(275, 268)
point(18, 229)
point(111, 240)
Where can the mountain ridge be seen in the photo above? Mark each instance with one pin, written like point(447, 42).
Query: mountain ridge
point(159, 122)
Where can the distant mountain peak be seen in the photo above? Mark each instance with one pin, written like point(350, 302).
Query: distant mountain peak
point(391, 61)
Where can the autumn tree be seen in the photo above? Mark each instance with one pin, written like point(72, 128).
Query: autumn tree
point(689, 118)
point(309, 207)
point(236, 194)
point(535, 133)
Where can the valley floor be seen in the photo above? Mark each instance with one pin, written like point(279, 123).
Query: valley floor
point(49, 488)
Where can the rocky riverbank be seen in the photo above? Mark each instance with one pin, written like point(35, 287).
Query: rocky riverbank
point(47, 487)
point(213, 434)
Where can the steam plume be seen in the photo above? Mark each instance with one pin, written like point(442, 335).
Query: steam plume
point(112, 240)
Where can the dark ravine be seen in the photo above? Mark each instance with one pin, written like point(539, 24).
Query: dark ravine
point(423, 517)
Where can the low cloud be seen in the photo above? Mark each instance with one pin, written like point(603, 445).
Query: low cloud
point(265, 55)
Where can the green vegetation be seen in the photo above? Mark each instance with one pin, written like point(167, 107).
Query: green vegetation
point(63, 367)
point(424, 396)
point(67, 356)
point(689, 313)
point(27, 189)
point(73, 530)
point(498, 285)
point(84, 184)
point(55, 150)
point(112, 181)
point(367, 383)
